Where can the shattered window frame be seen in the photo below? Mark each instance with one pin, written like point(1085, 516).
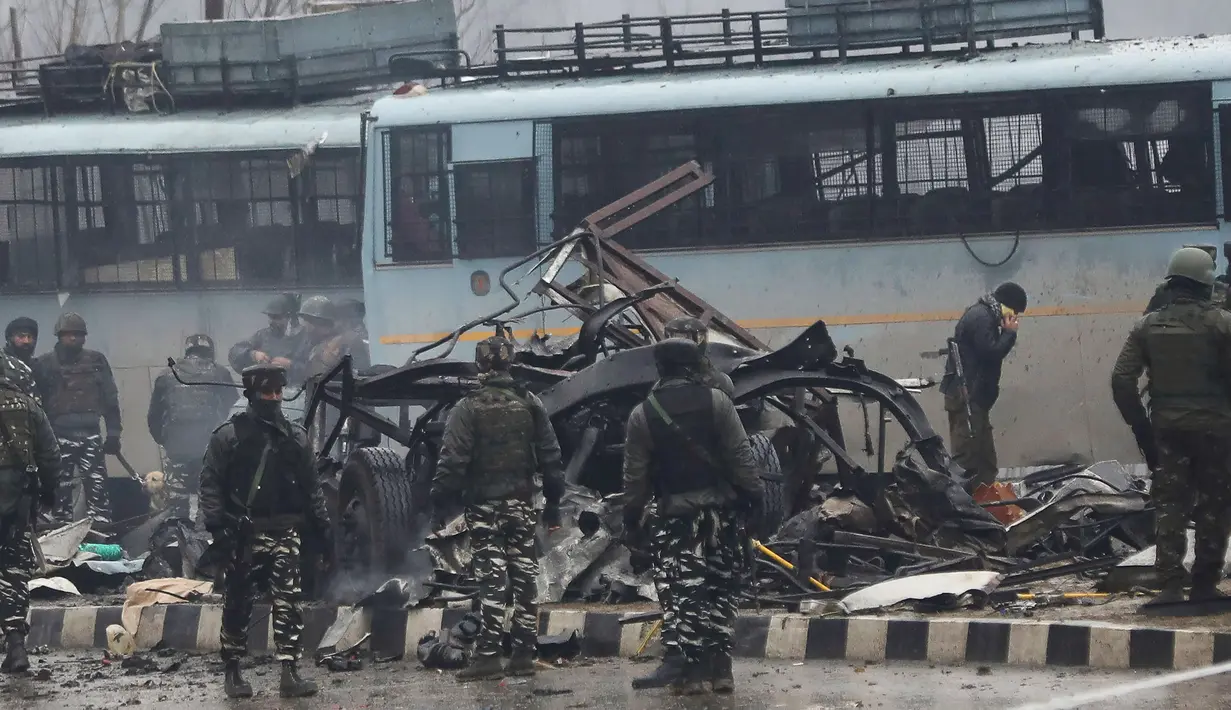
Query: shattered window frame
point(1141, 129)
point(418, 162)
point(495, 204)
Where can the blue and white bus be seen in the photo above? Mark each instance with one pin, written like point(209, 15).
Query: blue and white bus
point(883, 194)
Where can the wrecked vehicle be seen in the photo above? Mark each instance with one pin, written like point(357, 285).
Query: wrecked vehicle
point(378, 433)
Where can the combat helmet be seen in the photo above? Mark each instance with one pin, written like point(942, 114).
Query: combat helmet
point(687, 327)
point(317, 308)
point(262, 377)
point(284, 304)
point(495, 353)
point(677, 354)
point(71, 323)
point(1192, 264)
point(199, 343)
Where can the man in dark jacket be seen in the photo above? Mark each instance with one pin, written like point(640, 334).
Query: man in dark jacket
point(259, 489)
point(686, 448)
point(497, 441)
point(181, 417)
point(985, 335)
point(274, 345)
point(29, 468)
point(77, 389)
point(1186, 437)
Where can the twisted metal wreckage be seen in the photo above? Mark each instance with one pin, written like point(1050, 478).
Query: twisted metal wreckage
point(915, 517)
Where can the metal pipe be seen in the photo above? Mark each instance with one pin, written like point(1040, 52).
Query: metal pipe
point(787, 565)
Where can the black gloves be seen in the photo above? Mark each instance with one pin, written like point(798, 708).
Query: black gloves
point(111, 446)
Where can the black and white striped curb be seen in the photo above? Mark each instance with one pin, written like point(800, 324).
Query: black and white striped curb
point(194, 627)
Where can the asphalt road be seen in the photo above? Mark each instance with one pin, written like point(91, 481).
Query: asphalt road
point(81, 681)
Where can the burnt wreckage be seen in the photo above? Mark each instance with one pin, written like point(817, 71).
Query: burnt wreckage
point(589, 383)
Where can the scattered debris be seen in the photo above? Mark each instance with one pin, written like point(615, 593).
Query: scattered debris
point(946, 590)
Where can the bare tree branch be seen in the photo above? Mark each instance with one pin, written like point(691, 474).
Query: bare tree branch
point(148, 8)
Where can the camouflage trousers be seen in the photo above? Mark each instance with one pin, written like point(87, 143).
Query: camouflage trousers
point(1193, 483)
point(182, 478)
point(505, 562)
point(83, 457)
point(662, 585)
point(16, 566)
point(274, 569)
point(972, 440)
point(701, 558)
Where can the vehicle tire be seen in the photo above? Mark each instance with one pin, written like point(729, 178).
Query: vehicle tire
point(773, 505)
point(376, 512)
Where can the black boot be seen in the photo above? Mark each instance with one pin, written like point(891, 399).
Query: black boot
point(521, 663)
point(15, 661)
point(236, 686)
point(1205, 589)
point(668, 670)
point(292, 686)
point(691, 680)
point(721, 678)
point(482, 667)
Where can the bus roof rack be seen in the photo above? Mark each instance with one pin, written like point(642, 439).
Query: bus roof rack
point(805, 31)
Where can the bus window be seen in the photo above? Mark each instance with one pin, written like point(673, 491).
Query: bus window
point(1138, 157)
point(419, 226)
point(29, 214)
point(495, 209)
point(1224, 123)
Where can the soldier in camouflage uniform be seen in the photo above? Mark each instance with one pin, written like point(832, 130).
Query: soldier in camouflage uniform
point(77, 388)
point(497, 441)
point(181, 417)
point(275, 345)
point(1186, 437)
point(686, 448)
point(259, 489)
point(29, 467)
point(672, 663)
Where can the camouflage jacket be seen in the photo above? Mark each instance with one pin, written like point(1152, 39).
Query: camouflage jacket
point(20, 375)
point(267, 341)
point(1185, 350)
point(457, 480)
point(325, 355)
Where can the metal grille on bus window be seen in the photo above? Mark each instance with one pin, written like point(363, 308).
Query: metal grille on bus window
point(327, 243)
point(135, 247)
point(89, 190)
point(641, 156)
point(1224, 158)
point(780, 179)
point(495, 209)
point(1015, 172)
point(932, 178)
point(29, 229)
point(1139, 157)
point(545, 179)
point(420, 226)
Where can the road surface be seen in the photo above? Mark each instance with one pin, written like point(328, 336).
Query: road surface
point(81, 681)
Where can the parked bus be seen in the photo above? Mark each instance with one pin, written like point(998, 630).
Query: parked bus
point(881, 193)
point(155, 227)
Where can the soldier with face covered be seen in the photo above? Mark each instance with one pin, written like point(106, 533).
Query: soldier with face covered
point(275, 345)
point(20, 339)
point(181, 417)
point(497, 441)
point(259, 495)
point(77, 389)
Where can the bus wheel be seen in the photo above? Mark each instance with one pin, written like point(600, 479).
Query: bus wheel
point(375, 517)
